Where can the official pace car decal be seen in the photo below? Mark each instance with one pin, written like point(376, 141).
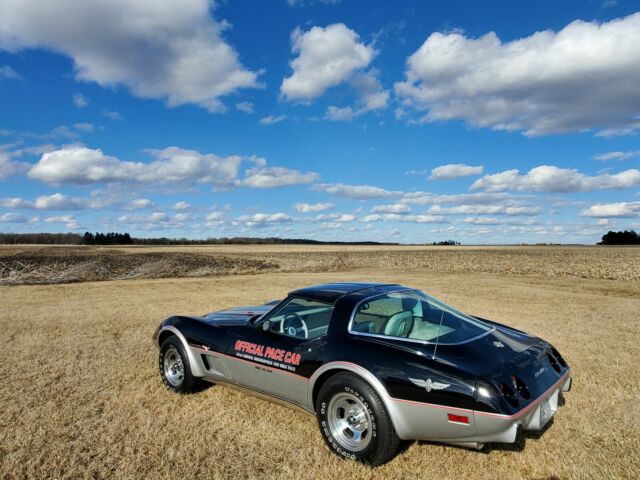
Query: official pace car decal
point(276, 357)
point(429, 385)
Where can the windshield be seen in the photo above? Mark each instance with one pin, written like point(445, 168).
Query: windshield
point(413, 315)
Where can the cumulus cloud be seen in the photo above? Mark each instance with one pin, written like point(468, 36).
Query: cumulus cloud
point(172, 49)
point(8, 167)
point(394, 217)
point(246, 107)
point(139, 204)
point(260, 220)
point(427, 198)
point(271, 119)
point(181, 206)
point(79, 100)
point(112, 115)
point(548, 178)
point(7, 72)
point(617, 155)
point(313, 208)
point(392, 208)
point(358, 192)
point(13, 218)
point(326, 57)
point(371, 97)
point(272, 177)
point(582, 77)
point(82, 165)
point(485, 210)
point(616, 209)
point(58, 201)
point(68, 220)
point(455, 170)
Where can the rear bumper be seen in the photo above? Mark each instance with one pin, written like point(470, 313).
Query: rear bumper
point(496, 428)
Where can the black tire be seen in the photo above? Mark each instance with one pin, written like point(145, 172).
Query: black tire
point(382, 441)
point(172, 351)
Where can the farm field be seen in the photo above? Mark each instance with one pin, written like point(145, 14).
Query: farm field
point(81, 396)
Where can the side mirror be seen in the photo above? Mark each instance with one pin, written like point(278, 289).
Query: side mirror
point(266, 325)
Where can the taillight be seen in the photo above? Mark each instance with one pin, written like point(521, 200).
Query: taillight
point(558, 357)
point(554, 363)
point(520, 387)
point(509, 394)
point(458, 418)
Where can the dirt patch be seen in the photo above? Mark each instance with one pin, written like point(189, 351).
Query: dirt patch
point(72, 266)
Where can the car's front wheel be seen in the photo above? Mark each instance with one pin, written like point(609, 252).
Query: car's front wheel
point(354, 421)
point(175, 369)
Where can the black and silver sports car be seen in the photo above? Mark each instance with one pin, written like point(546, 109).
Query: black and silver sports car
point(376, 364)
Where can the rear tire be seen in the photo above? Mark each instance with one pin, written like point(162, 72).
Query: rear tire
point(354, 422)
point(175, 369)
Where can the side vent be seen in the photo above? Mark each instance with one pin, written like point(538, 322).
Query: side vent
point(554, 363)
point(521, 387)
point(559, 358)
point(509, 394)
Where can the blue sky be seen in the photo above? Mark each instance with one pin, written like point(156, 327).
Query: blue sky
point(483, 122)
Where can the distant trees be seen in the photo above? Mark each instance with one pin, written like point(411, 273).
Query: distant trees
point(110, 238)
point(628, 237)
point(447, 242)
point(40, 238)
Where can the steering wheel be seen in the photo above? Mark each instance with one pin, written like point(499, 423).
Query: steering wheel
point(293, 325)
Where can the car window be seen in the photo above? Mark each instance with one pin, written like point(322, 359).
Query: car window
point(412, 315)
point(301, 318)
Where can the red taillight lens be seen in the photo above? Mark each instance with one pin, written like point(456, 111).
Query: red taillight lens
point(458, 418)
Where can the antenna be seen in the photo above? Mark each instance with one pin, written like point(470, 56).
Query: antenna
point(433, 357)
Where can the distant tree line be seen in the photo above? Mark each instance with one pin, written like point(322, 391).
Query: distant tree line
point(446, 242)
point(114, 238)
point(41, 238)
point(628, 237)
point(110, 238)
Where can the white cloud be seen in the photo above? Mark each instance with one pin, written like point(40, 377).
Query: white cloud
point(273, 177)
point(335, 217)
point(261, 220)
point(83, 127)
point(392, 208)
point(271, 119)
point(455, 170)
point(139, 204)
point(82, 165)
point(316, 207)
point(358, 192)
point(394, 217)
point(171, 49)
point(498, 221)
point(246, 107)
point(304, 3)
point(427, 198)
point(326, 57)
point(617, 209)
point(7, 72)
point(79, 100)
point(371, 97)
point(112, 115)
point(485, 210)
point(57, 201)
point(68, 220)
point(13, 218)
point(181, 206)
point(548, 178)
point(9, 167)
point(617, 155)
point(582, 77)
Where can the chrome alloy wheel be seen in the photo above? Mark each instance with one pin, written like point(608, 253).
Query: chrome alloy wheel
point(349, 422)
point(173, 367)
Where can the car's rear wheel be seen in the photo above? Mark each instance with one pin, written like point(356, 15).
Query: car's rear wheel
point(354, 421)
point(175, 369)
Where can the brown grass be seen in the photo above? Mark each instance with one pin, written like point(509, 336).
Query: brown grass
point(81, 397)
point(38, 264)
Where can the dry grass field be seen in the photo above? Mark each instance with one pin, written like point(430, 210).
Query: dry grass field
point(81, 397)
